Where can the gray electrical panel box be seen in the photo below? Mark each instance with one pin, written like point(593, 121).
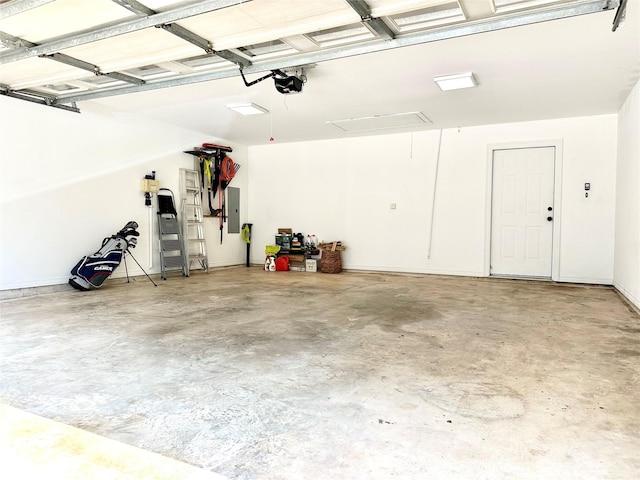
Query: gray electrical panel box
point(233, 210)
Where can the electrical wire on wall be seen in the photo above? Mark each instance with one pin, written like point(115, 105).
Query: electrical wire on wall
point(433, 199)
point(411, 146)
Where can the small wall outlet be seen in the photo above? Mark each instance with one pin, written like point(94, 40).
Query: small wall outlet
point(393, 206)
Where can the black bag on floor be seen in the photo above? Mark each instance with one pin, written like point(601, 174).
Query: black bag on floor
point(93, 270)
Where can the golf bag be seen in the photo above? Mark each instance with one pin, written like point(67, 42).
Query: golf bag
point(93, 270)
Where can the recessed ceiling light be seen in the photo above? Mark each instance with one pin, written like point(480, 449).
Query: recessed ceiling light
point(455, 82)
point(247, 108)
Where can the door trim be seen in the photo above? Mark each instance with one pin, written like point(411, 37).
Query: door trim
point(557, 200)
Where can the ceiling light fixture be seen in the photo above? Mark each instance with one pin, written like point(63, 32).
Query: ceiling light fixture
point(455, 82)
point(247, 108)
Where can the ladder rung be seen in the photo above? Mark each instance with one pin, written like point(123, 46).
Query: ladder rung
point(170, 245)
point(172, 262)
point(168, 226)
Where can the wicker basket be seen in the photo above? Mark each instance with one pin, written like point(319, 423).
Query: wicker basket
point(331, 262)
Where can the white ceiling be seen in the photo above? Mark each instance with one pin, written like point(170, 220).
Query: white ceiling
point(562, 68)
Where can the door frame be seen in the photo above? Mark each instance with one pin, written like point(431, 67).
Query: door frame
point(557, 200)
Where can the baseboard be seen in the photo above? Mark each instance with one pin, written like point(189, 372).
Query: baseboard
point(41, 283)
point(591, 281)
point(427, 271)
point(61, 284)
point(22, 292)
point(632, 300)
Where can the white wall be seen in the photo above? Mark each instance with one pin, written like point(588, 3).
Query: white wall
point(343, 189)
point(626, 275)
point(67, 180)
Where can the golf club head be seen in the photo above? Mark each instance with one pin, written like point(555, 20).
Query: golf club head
point(132, 224)
point(128, 232)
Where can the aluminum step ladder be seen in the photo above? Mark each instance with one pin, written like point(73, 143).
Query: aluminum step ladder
point(172, 255)
point(195, 245)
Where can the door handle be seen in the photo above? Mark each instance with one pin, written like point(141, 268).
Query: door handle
point(549, 219)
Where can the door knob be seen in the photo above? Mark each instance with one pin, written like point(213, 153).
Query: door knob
point(549, 209)
point(549, 219)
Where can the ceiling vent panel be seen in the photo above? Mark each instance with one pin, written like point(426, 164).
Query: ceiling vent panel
point(381, 122)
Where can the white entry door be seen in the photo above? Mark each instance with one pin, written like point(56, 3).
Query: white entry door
point(522, 212)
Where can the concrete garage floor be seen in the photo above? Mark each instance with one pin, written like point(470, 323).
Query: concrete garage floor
point(258, 375)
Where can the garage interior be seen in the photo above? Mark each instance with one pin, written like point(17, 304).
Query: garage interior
point(433, 354)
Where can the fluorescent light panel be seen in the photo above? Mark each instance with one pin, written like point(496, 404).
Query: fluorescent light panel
point(247, 108)
point(455, 82)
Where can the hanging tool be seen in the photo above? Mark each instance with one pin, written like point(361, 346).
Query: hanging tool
point(210, 155)
point(220, 197)
point(204, 159)
point(212, 184)
point(246, 236)
point(201, 161)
